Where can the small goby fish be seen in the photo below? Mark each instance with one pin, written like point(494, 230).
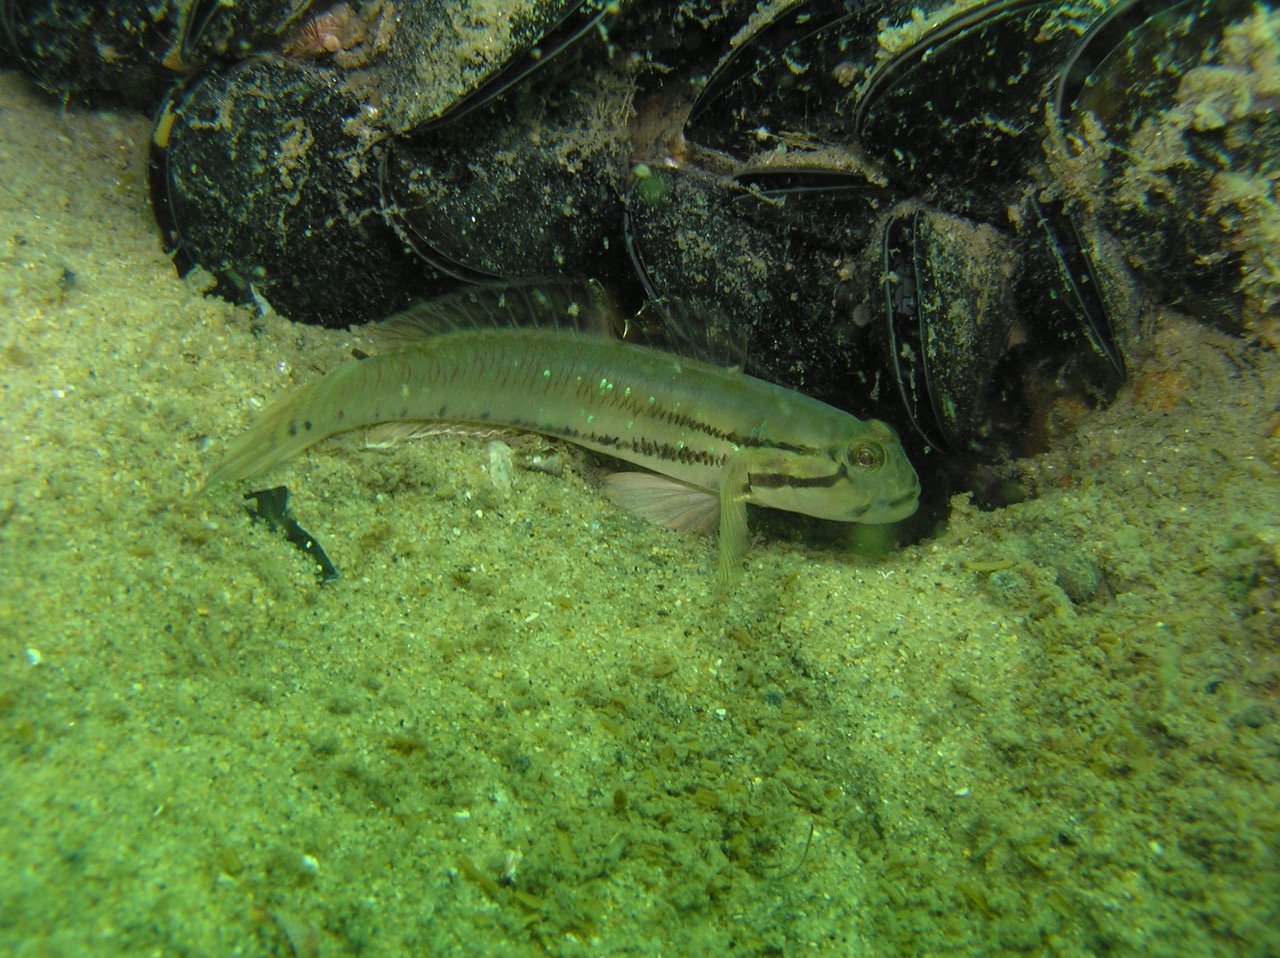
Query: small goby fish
point(714, 438)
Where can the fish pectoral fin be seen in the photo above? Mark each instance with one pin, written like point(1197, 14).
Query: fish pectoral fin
point(664, 501)
point(734, 490)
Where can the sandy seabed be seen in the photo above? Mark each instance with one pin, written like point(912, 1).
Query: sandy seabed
point(522, 724)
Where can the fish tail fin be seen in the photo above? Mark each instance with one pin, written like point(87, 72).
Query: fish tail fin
point(297, 421)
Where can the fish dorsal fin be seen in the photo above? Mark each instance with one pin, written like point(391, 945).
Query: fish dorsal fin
point(567, 305)
point(693, 330)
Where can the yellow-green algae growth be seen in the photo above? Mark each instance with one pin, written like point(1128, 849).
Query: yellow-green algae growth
point(523, 726)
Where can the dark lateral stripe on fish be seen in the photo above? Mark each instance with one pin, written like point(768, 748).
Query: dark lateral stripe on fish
point(642, 409)
point(619, 445)
point(658, 450)
point(777, 480)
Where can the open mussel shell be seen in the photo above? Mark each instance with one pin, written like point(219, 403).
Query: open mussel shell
point(1172, 134)
point(769, 260)
point(947, 308)
point(256, 177)
point(1078, 295)
point(960, 102)
point(819, 201)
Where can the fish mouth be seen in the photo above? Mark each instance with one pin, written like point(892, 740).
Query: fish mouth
point(895, 509)
point(909, 498)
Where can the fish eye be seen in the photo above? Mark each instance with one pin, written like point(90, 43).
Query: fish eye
point(867, 455)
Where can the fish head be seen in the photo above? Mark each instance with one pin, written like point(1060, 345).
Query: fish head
point(864, 476)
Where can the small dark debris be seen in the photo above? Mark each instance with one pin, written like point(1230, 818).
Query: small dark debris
point(272, 507)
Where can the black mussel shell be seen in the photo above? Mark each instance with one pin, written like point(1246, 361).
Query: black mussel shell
point(85, 47)
point(947, 306)
point(1128, 65)
point(1079, 308)
point(439, 60)
point(1172, 134)
point(214, 30)
point(1077, 292)
point(532, 190)
point(261, 175)
point(806, 196)
point(577, 22)
point(770, 258)
point(961, 104)
point(792, 80)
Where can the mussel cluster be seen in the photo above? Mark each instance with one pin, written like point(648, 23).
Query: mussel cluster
point(943, 214)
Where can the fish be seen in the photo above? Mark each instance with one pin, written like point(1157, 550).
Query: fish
point(547, 359)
